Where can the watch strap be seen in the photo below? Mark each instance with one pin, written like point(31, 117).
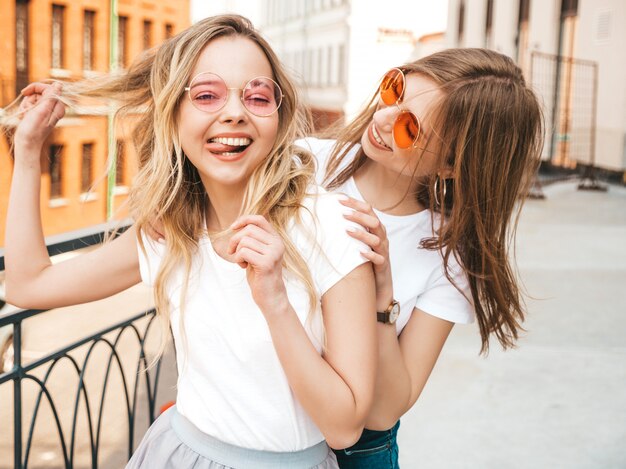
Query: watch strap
point(382, 316)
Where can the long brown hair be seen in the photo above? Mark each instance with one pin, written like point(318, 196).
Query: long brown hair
point(489, 129)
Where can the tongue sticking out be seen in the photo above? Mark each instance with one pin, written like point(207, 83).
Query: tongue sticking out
point(228, 145)
point(222, 148)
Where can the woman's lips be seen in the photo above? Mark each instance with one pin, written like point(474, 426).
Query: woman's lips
point(376, 139)
point(226, 152)
point(228, 148)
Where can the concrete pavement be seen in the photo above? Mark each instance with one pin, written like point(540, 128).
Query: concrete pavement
point(559, 399)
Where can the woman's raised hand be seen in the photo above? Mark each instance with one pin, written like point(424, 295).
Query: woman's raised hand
point(259, 249)
point(41, 109)
point(375, 236)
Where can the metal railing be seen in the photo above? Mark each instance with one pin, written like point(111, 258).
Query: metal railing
point(43, 368)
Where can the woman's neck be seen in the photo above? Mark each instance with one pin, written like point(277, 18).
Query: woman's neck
point(224, 207)
point(386, 190)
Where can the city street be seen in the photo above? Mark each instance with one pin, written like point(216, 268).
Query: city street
point(559, 399)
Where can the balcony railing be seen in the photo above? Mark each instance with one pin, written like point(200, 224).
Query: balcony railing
point(78, 419)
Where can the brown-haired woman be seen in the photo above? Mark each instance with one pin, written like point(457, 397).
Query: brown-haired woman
point(434, 169)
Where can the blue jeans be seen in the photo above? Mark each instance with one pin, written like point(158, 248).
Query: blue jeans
point(374, 450)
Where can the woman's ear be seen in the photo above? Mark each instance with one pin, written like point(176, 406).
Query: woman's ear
point(446, 173)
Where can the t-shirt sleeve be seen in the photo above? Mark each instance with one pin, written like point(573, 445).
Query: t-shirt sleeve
point(336, 253)
point(443, 299)
point(150, 259)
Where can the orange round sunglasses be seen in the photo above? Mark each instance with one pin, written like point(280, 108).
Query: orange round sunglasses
point(407, 127)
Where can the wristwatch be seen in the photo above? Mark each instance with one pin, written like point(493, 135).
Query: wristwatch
point(390, 315)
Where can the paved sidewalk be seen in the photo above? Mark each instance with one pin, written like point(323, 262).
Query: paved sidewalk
point(559, 399)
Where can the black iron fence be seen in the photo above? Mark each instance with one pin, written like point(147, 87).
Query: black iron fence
point(76, 413)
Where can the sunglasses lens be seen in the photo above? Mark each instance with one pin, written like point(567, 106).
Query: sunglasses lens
point(392, 87)
point(406, 130)
point(262, 96)
point(208, 92)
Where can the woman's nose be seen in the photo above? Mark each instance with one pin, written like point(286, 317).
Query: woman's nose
point(233, 110)
point(385, 116)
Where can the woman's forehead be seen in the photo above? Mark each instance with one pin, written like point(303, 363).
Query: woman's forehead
point(236, 59)
point(421, 88)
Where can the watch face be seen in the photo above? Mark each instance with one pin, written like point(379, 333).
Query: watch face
point(394, 313)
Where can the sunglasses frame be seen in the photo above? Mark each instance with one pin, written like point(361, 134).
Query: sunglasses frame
point(397, 102)
point(241, 90)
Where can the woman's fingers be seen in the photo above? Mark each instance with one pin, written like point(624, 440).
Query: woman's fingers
point(372, 240)
point(374, 257)
point(36, 88)
point(252, 231)
point(154, 230)
point(257, 220)
point(363, 214)
point(57, 113)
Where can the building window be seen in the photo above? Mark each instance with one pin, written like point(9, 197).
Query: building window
point(524, 11)
point(169, 30)
point(329, 65)
point(147, 34)
point(320, 67)
point(55, 171)
point(523, 34)
point(58, 12)
point(120, 159)
point(86, 169)
point(489, 24)
point(569, 8)
point(341, 66)
point(88, 39)
point(21, 46)
point(461, 25)
point(122, 43)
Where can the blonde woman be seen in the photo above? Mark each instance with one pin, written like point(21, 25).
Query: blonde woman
point(435, 168)
point(270, 302)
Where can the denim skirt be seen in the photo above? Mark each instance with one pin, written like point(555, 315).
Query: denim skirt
point(374, 450)
point(173, 442)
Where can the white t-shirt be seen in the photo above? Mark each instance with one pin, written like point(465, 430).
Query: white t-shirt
point(231, 384)
point(419, 280)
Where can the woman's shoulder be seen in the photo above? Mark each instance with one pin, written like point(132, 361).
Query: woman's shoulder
point(324, 205)
point(322, 215)
point(316, 145)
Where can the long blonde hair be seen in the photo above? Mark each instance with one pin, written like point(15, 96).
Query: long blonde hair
point(490, 129)
point(167, 186)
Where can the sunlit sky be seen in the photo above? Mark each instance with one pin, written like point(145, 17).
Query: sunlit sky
point(421, 16)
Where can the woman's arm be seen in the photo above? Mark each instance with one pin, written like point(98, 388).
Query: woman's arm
point(405, 362)
point(336, 390)
point(31, 279)
point(404, 365)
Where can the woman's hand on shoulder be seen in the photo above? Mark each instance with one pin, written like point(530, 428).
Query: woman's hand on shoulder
point(40, 109)
point(258, 248)
point(154, 230)
point(375, 236)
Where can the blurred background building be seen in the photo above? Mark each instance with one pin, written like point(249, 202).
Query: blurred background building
point(572, 53)
point(338, 49)
point(70, 40)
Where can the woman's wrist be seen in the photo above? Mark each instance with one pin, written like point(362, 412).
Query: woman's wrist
point(384, 296)
point(277, 308)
